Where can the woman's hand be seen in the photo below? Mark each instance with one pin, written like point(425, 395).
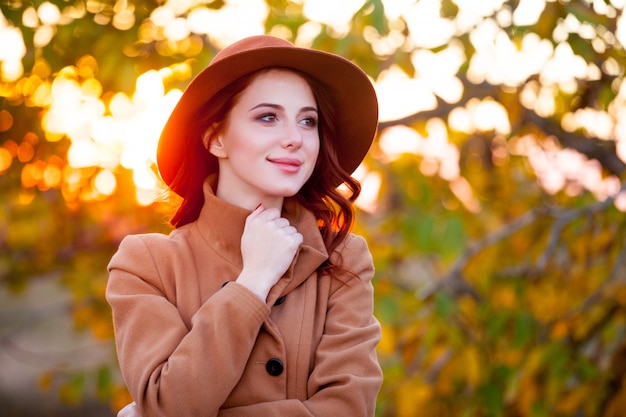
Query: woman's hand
point(268, 246)
point(130, 410)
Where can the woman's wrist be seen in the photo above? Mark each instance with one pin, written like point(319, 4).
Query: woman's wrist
point(254, 283)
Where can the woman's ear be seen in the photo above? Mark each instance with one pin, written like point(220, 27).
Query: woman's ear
point(216, 147)
point(213, 143)
point(206, 136)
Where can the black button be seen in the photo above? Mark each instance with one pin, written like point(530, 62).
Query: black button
point(274, 367)
point(280, 301)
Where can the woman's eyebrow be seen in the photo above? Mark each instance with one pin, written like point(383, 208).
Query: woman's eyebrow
point(279, 107)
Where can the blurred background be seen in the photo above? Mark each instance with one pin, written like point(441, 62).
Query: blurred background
point(493, 197)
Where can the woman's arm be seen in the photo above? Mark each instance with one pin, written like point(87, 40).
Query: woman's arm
point(171, 369)
point(347, 377)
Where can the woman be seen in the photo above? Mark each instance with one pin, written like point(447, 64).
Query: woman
point(260, 302)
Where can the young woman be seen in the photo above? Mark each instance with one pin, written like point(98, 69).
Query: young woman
point(260, 302)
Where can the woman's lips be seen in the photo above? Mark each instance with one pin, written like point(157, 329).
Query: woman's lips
point(290, 165)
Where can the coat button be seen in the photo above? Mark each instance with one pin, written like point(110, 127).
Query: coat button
point(280, 301)
point(274, 367)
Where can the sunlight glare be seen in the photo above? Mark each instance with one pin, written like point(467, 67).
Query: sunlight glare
point(162, 15)
point(499, 61)
point(371, 181)
point(49, 14)
point(340, 18)
point(12, 51)
point(400, 96)
point(528, 11)
point(144, 178)
point(397, 140)
point(199, 20)
point(84, 153)
point(124, 19)
point(480, 115)
point(30, 19)
point(105, 182)
point(563, 68)
point(43, 36)
point(148, 87)
point(127, 135)
point(146, 197)
point(235, 20)
point(471, 12)
point(121, 106)
point(439, 155)
point(368, 199)
point(462, 189)
point(307, 33)
point(620, 31)
point(394, 9)
point(6, 159)
point(459, 119)
point(177, 29)
point(595, 123)
point(107, 131)
point(489, 114)
point(439, 70)
point(12, 70)
point(426, 26)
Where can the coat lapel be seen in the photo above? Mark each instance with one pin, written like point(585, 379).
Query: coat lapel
point(221, 225)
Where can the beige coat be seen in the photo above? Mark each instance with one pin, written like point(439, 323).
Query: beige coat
point(189, 346)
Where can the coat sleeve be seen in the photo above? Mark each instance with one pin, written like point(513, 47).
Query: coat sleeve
point(158, 353)
point(346, 377)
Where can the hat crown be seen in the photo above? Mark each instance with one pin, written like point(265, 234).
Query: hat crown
point(250, 44)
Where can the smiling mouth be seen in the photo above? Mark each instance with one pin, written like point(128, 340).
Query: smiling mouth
point(287, 165)
point(286, 161)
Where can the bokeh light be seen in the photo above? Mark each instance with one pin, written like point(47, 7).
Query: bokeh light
point(112, 129)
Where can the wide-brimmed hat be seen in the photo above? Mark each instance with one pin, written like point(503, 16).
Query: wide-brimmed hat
point(350, 91)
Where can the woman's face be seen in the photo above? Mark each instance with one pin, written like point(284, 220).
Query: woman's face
point(269, 144)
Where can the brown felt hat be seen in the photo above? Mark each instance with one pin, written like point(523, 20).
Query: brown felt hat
point(350, 91)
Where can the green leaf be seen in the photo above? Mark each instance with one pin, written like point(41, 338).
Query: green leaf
point(523, 329)
point(445, 305)
point(491, 396)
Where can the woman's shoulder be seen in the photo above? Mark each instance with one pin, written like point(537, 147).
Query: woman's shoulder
point(154, 245)
point(353, 244)
point(354, 254)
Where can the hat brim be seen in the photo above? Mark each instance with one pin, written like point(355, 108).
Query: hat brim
point(350, 90)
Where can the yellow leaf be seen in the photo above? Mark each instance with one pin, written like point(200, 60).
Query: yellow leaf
point(571, 402)
point(411, 397)
point(387, 344)
point(559, 330)
point(504, 297)
point(472, 366)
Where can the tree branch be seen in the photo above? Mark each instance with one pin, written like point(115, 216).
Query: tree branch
point(594, 148)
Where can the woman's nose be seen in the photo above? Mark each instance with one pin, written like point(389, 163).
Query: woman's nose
point(292, 136)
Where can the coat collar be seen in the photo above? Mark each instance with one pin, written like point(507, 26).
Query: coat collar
point(221, 225)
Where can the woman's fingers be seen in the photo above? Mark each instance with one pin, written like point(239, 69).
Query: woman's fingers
point(268, 246)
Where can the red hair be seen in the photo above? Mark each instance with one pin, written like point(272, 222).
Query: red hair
point(333, 210)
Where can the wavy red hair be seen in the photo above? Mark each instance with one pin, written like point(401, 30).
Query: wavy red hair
point(333, 209)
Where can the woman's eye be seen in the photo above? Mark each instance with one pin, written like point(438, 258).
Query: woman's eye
point(309, 121)
point(267, 117)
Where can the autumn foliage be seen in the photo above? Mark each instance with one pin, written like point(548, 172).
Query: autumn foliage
point(493, 197)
